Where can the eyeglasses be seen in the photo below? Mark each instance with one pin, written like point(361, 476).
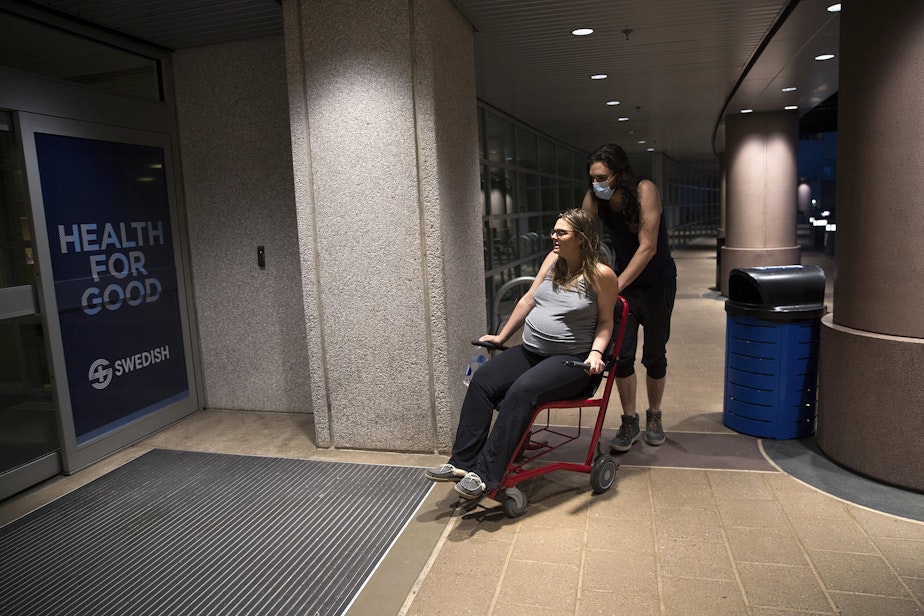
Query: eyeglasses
point(560, 232)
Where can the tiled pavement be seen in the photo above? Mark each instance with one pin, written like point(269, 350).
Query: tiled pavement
point(700, 538)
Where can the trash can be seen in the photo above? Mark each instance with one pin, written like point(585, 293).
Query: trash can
point(773, 320)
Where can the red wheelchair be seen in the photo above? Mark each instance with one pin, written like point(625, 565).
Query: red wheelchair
point(541, 439)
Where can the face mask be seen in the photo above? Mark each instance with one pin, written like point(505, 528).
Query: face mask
point(603, 190)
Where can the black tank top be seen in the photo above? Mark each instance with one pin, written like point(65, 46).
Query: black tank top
point(624, 241)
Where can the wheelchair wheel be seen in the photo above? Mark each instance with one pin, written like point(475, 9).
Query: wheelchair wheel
point(603, 473)
point(515, 503)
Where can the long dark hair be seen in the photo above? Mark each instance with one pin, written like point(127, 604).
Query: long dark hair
point(624, 179)
point(583, 226)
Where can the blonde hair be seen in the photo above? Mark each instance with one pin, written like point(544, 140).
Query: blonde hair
point(582, 224)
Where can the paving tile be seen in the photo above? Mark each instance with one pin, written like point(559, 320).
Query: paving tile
point(739, 485)
point(695, 559)
point(833, 535)
point(850, 604)
point(527, 583)
point(554, 546)
point(597, 603)
point(436, 596)
point(769, 611)
point(778, 546)
point(633, 573)
point(884, 525)
point(620, 534)
point(683, 496)
point(515, 609)
point(859, 573)
point(783, 586)
point(751, 513)
point(693, 597)
point(691, 524)
point(916, 586)
point(907, 557)
point(808, 503)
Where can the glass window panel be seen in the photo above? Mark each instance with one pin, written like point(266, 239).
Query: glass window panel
point(499, 138)
point(579, 166)
point(501, 192)
point(38, 48)
point(526, 149)
point(548, 193)
point(563, 154)
point(529, 193)
point(546, 156)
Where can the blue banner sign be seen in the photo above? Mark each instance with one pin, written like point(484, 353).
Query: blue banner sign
point(107, 214)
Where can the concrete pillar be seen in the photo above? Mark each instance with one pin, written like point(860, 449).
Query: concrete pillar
point(871, 395)
point(760, 217)
point(385, 157)
point(720, 231)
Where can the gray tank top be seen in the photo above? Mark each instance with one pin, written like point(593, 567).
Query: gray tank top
point(563, 321)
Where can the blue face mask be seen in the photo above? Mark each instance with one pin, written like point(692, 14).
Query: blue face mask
point(603, 190)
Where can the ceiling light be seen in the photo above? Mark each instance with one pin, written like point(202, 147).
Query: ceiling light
point(825, 56)
point(586, 31)
point(611, 103)
point(789, 89)
point(791, 107)
point(642, 141)
point(651, 149)
point(747, 111)
point(602, 76)
point(622, 119)
point(835, 8)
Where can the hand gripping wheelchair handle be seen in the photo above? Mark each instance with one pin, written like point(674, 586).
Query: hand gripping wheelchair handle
point(489, 345)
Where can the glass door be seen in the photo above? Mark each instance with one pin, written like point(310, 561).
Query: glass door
point(108, 248)
point(29, 441)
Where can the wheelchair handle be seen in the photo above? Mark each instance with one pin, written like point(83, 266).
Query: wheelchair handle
point(489, 345)
point(576, 364)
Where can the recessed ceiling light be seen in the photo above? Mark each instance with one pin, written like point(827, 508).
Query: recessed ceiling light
point(603, 76)
point(825, 56)
point(642, 141)
point(791, 107)
point(835, 8)
point(651, 149)
point(611, 103)
point(789, 89)
point(622, 119)
point(747, 111)
point(586, 31)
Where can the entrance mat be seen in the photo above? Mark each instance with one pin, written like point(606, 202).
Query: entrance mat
point(176, 532)
point(802, 459)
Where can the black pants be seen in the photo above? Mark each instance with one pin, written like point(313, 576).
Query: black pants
point(514, 382)
point(650, 307)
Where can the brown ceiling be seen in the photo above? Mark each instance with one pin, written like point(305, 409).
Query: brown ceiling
point(682, 66)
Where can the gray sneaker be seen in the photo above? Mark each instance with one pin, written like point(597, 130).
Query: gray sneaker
point(446, 472)
point(627, 434)
point(471, 486)
point(654, 432)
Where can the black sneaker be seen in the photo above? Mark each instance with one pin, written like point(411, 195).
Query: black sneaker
point(654, 431)
point(628, 433)
point(471, 486)
point(446, 472)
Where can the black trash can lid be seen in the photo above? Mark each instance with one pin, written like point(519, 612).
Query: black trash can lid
point(785, 292)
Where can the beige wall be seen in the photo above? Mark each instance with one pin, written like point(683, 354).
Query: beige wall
point(237, 174)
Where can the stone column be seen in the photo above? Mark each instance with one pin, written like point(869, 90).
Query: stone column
point(760, 217)
point(385, 156)
point(871, 394)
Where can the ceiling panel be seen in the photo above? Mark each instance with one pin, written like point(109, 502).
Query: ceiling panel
point(672, 64)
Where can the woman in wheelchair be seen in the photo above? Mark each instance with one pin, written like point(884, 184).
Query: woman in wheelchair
point(567, 314)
